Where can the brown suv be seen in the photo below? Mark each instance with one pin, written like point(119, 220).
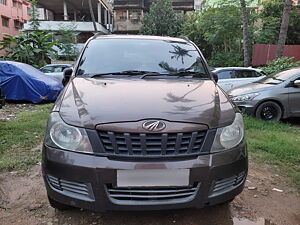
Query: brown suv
point(142, 125)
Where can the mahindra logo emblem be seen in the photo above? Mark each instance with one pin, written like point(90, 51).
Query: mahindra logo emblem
point(154, 125)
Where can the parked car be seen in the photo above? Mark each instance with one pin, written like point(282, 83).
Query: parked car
point(271, 98)
point(2, 98)
point(143, 126)
point(56, 70)
point(232, 77)
point(20, 81)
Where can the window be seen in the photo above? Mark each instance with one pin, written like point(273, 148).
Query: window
point(3, 2)
point(20, 5)
point(245, 73)
point(5, 21)
point(15, 4)
point(140, 54)
point(135, 16)
point(122, 15)
point(28, 11)
point(227, 74)
point(18, 24)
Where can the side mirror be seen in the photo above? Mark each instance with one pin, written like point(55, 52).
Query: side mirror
point(296, 83)
point(216, 78)
point(67, 75)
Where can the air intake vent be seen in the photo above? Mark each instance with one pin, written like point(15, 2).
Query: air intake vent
point(70, 188)
point(152, 196)
point(224, 185)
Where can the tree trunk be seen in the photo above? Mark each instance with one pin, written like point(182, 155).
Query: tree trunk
point(246, 41)
point(284, 27)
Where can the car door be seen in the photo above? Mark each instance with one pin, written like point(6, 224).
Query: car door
point(294, 99)
point(226, 78)
point(245, 77)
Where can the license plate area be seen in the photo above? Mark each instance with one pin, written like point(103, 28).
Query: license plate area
point(153, 178)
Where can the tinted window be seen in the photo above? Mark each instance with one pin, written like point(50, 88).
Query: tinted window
point(227, 74)
point(47, 69)
point(117, 55)
point(245, 73)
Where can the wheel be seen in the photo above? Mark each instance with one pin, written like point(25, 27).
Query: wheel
point(57, 205)
point(270, 111)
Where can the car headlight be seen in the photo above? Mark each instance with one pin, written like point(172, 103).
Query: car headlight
point(242, 98)
point(61, 135)
point(230, 136)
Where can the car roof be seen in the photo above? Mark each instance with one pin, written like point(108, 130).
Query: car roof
point(236, 68)
point(141, 37)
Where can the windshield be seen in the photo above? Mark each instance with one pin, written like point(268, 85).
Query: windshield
point(107, 56)
point(277, 78)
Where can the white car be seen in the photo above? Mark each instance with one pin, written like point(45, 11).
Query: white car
point(56, 70)
point(232, 77)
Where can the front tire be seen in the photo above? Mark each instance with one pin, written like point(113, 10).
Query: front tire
point(269, 111)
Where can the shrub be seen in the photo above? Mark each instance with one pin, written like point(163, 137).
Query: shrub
point(279, 64)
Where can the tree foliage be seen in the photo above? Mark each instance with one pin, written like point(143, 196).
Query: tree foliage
point(269, 20)
point(218, 33)
point(34, 48)
point(279, 64)
point(162, 20)
point(67, 42)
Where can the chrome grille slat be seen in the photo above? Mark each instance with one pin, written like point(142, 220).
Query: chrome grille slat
point(152, 144)
point(80, 190)
point(226, 184)
point(151, 195)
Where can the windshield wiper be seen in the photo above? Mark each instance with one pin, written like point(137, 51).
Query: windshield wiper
point(178, 74)
point(127, 72)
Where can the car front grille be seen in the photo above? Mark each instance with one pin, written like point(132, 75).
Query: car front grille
point(152, 144)
point(150, 196)
point(223, 185)
point(70, 188)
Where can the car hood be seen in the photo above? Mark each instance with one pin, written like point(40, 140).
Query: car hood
point(88, 102)
point(250, 88)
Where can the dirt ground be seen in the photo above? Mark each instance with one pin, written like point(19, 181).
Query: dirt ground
point(23, 201)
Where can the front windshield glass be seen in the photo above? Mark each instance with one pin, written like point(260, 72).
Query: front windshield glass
point(278, 77)
point(117, 55)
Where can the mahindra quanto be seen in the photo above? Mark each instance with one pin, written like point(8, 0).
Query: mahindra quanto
point(142, 125)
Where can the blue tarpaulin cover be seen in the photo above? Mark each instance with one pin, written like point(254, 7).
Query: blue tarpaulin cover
point(20, 81)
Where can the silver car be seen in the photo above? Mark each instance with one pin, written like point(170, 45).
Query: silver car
point(233, 77)
point(56, 70)
point(274, 97)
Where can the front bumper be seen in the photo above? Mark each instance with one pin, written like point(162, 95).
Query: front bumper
point(247, 107)
point(90, 176)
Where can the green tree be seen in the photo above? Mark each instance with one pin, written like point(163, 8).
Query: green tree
point(246, 38)
point(67, 38)
point(34, 48)
point(284, 27)
point(269, 21)
point(162, 20)
point(218, 32)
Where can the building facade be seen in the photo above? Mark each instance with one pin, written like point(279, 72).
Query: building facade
point(74, 15)
point(14, 14)
point(128, 14)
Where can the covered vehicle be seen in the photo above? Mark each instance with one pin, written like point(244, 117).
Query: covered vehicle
point(20, 81)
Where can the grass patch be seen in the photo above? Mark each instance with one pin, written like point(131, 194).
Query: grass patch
point(18, 136)
point(275, 143)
